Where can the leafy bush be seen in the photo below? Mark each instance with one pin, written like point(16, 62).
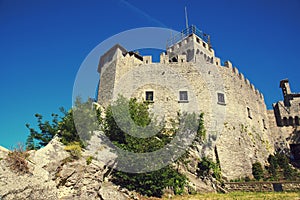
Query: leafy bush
point(140, 116)
point(283, 162)
point(272, 169)
point(280, 169)
point(257, 171)
point(17, 160)
point(151, 183)
point(207, 167)
point(74, 149)
point(89, 160)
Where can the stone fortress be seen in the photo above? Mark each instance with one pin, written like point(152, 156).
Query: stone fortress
point(190, 77)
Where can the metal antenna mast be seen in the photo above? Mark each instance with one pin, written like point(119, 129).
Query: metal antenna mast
point(186, 18)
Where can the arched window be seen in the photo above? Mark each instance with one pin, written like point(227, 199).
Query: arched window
point(297, 121)
point(284, 121)
point(291, 121)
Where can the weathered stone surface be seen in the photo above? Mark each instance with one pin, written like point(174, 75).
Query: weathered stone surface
point(53, 176)
point(27, 186)
point(108, 192)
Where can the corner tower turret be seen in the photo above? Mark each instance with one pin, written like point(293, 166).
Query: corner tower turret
point(286, 91)
point(190, 42)
point(285, 86)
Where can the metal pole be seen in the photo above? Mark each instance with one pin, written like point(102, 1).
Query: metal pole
point(186, 18)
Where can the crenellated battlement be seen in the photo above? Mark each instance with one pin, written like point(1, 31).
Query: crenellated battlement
point(244, 80)
point(182, 58)
point(189, 46)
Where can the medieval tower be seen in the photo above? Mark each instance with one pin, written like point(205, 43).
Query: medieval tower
point(190, 77)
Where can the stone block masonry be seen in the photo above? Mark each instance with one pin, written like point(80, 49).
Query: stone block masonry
point(263, 186)
point(189, 77)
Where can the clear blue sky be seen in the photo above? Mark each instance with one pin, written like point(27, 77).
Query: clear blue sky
point(43, 43)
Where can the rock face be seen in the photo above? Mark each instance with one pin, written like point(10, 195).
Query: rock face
point(52, 175)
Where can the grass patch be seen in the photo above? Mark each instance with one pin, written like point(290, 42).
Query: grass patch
point(89, 160)
point(74, 149)
point(241, 195)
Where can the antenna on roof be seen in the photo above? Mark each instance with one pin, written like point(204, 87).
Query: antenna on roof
point(186, 18)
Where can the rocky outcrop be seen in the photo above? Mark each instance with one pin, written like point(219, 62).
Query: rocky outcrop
point(53, 175)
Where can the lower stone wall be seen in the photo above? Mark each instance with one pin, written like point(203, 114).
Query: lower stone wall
point(263, 186)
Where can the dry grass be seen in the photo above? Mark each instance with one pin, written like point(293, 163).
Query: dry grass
point(242, 196)
point(17, 160)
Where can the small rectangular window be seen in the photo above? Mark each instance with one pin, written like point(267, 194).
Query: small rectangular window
point(264, 124)
point(249, 113)
point(204, 45)
point(183, 96)
point(149, 95)
point(221, 99)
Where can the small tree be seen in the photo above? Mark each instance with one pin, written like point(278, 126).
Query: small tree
point(257, 171)
point(272, 169)
point(64, 126)
point(151, 183)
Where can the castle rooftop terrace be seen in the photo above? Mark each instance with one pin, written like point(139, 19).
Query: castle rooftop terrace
point(187, 32)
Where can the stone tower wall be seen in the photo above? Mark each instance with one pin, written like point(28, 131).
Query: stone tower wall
point(237, 138)
point(235, 113)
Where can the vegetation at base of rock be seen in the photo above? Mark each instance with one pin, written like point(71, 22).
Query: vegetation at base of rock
point(74, 149)
point(64, 126)
point(257, 171)
point(280, 169)
point(89, 160)
point(17, 160)
point(150, 183)
point(207, 167)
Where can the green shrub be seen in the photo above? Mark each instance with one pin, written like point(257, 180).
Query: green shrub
point(257, 171)
point(207, 166)
point(280, 169)
point(273, 166)
point(89, 160)
point(152, 183)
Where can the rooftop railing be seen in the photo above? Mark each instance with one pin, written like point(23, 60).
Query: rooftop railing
point(187, 32)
